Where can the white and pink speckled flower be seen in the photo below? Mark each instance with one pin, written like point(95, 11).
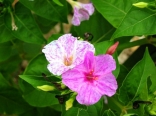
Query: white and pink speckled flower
point(92, 79)
point(81, 11)
point(65, 53)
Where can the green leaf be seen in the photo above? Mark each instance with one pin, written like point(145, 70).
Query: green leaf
point(118, 8)
point(117, 70)
point(11, 101)
point(130, 114)
point(35, 80)
point(108, 113)
point(35, 68)
point(122, 75)
point(99, 106)
point(97, 26)
point(48, 9)
point(30, 50)
point(115, 105)
point(46, 111)
point(44, 24)
point(40, 98)
point(91, 111)
point(54, 37)
point(3, 82)
point(152, 86)
point(102, 47)
point(11, 66)
point(5, 34)
point(134, 86)
point(39, 82)
point(28, 30)
point(130, 27)
point(128, 19)
point(3, 54)
point(58, 2)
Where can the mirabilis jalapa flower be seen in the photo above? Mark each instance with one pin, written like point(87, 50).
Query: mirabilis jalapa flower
point(92, 79)
point(81, 11)
point(65, 53)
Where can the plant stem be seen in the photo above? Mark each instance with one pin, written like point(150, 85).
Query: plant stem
point(132, 44)
point(116, 103)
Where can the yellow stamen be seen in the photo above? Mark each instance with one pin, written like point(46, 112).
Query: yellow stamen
point(68, 61)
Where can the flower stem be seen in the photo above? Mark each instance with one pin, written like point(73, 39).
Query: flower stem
point(116, 103)
point(14, 3)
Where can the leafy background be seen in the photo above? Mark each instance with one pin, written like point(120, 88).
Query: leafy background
point(23, 65)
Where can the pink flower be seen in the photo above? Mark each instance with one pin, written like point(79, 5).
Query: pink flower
point(92, 79)
point(81, 11)
point(65, 53)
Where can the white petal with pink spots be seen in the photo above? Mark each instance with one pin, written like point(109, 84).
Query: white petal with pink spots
point(66, 53)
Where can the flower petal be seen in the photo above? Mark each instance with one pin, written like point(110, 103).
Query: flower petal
point(73, 79)
point(89, 61)
point(104, 64)
point(107, 84)
point(83, 14)
point(76, 20)
point(53, 51)
point(89, 7)
point(57, 68)
point(80, 52)
point(88, 95)
point(67, 42)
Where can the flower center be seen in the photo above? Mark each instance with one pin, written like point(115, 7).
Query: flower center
point(90, 76)
point(68, 60)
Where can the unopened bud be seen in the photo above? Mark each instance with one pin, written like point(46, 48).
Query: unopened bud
point(141, 4)
point(69, 102)
point(151, 109)
point(112, 49)
point(46, 88)
point(63, 86)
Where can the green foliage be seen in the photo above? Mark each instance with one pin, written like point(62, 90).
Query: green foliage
point(48, 9)
point(34, 70)
point(27, 88)
point(134, 86)
point(11, 102)
point(94, 27)
point(58, 2)
point(27, 30)
point(4, 31)
point(108, 113)
point(3, 53)
point(125, 17)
